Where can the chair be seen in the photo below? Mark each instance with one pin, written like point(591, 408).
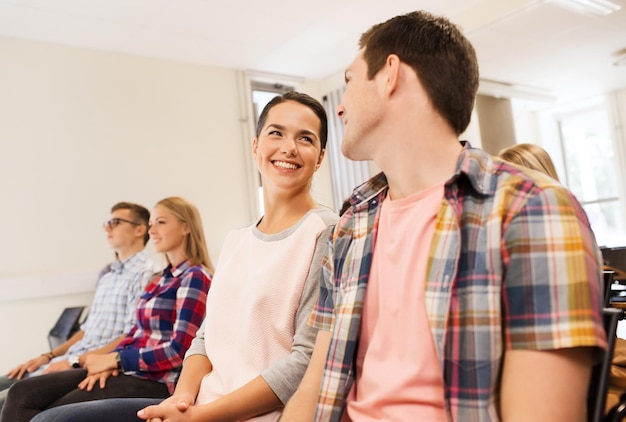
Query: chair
point(598, 385)
point(617, 412)
point(615, 257)
point(67, 324)
point(608, 281)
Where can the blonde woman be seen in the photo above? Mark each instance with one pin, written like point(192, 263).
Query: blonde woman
point(530, 156)
point(147, 362)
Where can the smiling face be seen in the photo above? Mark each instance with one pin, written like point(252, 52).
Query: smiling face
point(168, 234)
point(288, 149)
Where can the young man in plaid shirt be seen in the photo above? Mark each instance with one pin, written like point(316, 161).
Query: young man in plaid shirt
point(457, 287)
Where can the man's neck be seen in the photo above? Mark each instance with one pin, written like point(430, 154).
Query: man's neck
point(412, 168)
point(416, 148)
point(124, 253)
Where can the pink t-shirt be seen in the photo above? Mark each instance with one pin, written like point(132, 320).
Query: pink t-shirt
point(398, 374)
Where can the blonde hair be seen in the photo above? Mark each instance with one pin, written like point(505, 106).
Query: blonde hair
point(195, 244)
point(531, 156)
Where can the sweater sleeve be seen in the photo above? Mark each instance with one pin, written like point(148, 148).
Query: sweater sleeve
point(284, 376)
point(197, 345)
point(190, 306)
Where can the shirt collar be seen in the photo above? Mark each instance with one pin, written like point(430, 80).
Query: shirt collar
point(369, 190)
point(477, 167)
point(116, 266)
point(474, 164)
point(176, 271)
point(119, 265)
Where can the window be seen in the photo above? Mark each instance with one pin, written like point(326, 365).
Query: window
point(346, 174)
point(591, 172)
point(579, 139)
point(262, 93)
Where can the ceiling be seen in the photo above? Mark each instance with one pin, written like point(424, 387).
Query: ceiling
point(538, 45)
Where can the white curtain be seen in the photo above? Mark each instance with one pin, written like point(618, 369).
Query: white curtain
point(346, 174)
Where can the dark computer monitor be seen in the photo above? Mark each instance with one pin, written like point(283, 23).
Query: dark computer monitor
point(615, 257)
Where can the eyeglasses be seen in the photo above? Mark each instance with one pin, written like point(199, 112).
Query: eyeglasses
point(114, 222)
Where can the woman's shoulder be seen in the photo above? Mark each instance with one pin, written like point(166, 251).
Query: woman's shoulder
point(197, 271)
point(325, 214)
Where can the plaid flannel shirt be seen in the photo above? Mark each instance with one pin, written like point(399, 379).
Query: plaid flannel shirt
point(513, 264)
point(169, 313)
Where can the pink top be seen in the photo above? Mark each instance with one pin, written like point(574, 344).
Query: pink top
point(398, 374)
point(253, 306)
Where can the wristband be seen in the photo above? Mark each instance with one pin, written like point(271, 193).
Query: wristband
point(118, 361)
point(49, 355)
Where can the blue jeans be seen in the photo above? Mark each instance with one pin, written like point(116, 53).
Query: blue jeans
point(5, 382)
point(106, 410)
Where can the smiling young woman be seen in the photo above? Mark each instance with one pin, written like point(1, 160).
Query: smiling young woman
point(255, 344)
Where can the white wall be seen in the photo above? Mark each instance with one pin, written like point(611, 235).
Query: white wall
point(26, 324)
point(81, 130)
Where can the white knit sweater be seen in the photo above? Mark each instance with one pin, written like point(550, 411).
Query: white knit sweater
point(262, 292)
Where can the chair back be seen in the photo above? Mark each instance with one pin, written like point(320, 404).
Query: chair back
point(608, 281)
point(599, 383)
point(67, 324)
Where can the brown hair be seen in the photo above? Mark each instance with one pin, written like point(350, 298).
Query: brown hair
point(140, 215)
point(303, 99)
point(531, 156)
point(195, 244)
point(443, 59)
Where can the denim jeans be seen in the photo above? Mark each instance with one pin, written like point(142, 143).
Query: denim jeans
point(107, 410)
point(5, 382)
point(32, 396)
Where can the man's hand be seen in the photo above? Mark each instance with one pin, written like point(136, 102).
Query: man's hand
point(29, 366)
point(62, 365)
point(174, 408)
point(100, 378)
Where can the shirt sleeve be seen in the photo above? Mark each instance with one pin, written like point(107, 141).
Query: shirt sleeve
point(552, 288)
point(197, 345)
point(285, 375)
point(322, 316)
point(190, 309)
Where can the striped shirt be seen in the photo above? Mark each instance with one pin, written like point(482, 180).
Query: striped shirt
point(168, 315)
point(513, 264)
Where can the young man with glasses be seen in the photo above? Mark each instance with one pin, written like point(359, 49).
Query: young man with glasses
point(112, 312)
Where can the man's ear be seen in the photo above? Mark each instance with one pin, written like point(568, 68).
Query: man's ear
point(392, 70)
point(141, 230)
